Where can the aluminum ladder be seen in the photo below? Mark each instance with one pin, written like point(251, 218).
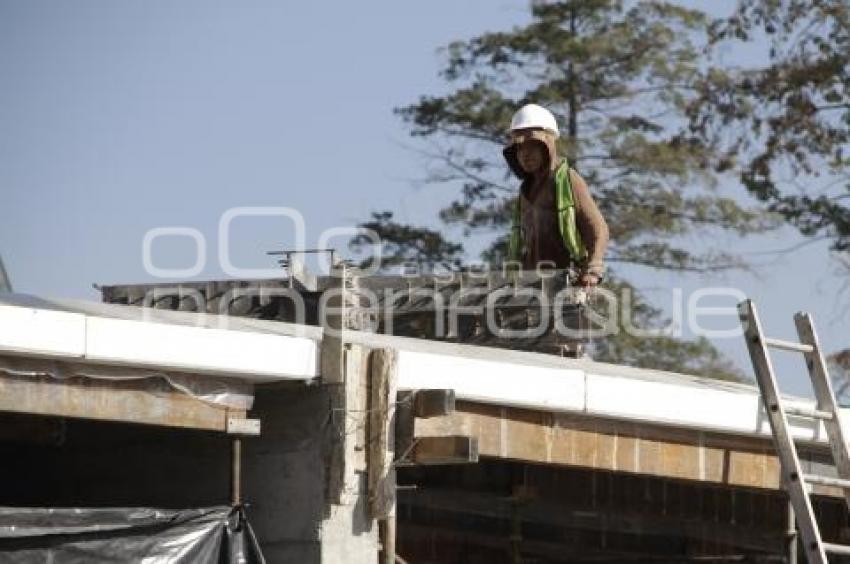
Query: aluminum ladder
point(826, 411)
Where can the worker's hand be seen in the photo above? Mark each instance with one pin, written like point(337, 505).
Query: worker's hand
point(589, 280)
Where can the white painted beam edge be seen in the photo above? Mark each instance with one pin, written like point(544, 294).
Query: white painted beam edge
point(46, 333)
point(530, 358)
point(725, 411)
point(498, 380)
point(716, 410)
point(197, 349)
point(493, 381)
point(42, 333)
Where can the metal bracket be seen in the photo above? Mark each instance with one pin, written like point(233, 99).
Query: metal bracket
point(298, 271)
point(243, 426)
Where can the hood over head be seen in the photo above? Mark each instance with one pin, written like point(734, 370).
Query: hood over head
point(530, 136)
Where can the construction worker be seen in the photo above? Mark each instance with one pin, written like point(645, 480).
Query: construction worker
point(555, 221)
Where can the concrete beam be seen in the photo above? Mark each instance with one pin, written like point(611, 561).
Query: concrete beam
point(348, 532)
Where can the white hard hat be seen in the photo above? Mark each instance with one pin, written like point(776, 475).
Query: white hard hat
point(532, 115)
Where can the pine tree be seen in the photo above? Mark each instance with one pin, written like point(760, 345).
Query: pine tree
point(784, 126)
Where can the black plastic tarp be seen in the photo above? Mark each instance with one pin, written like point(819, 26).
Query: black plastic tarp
point(210, 535)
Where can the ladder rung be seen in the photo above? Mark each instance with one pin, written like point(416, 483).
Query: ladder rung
point(808, 412)
point(827, 481)
point(787, 345)
point(836, 548)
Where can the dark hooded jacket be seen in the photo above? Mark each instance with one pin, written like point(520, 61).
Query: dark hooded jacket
point(540, 232)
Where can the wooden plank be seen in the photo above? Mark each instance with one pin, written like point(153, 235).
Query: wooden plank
point(147, 401)
point(433, 403)
point(444, 450)
point(345, 452)
point(381, 443)
point(527, 436)
point(582, 441)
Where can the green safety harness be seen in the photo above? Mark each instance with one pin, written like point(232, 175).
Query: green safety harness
point(565, 201)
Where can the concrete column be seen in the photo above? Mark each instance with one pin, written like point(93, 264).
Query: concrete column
point(348, 533)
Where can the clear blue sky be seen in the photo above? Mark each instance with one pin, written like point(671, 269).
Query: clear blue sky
point(117, 117)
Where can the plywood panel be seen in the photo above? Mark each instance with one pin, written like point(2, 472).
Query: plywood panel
point(133, 401)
